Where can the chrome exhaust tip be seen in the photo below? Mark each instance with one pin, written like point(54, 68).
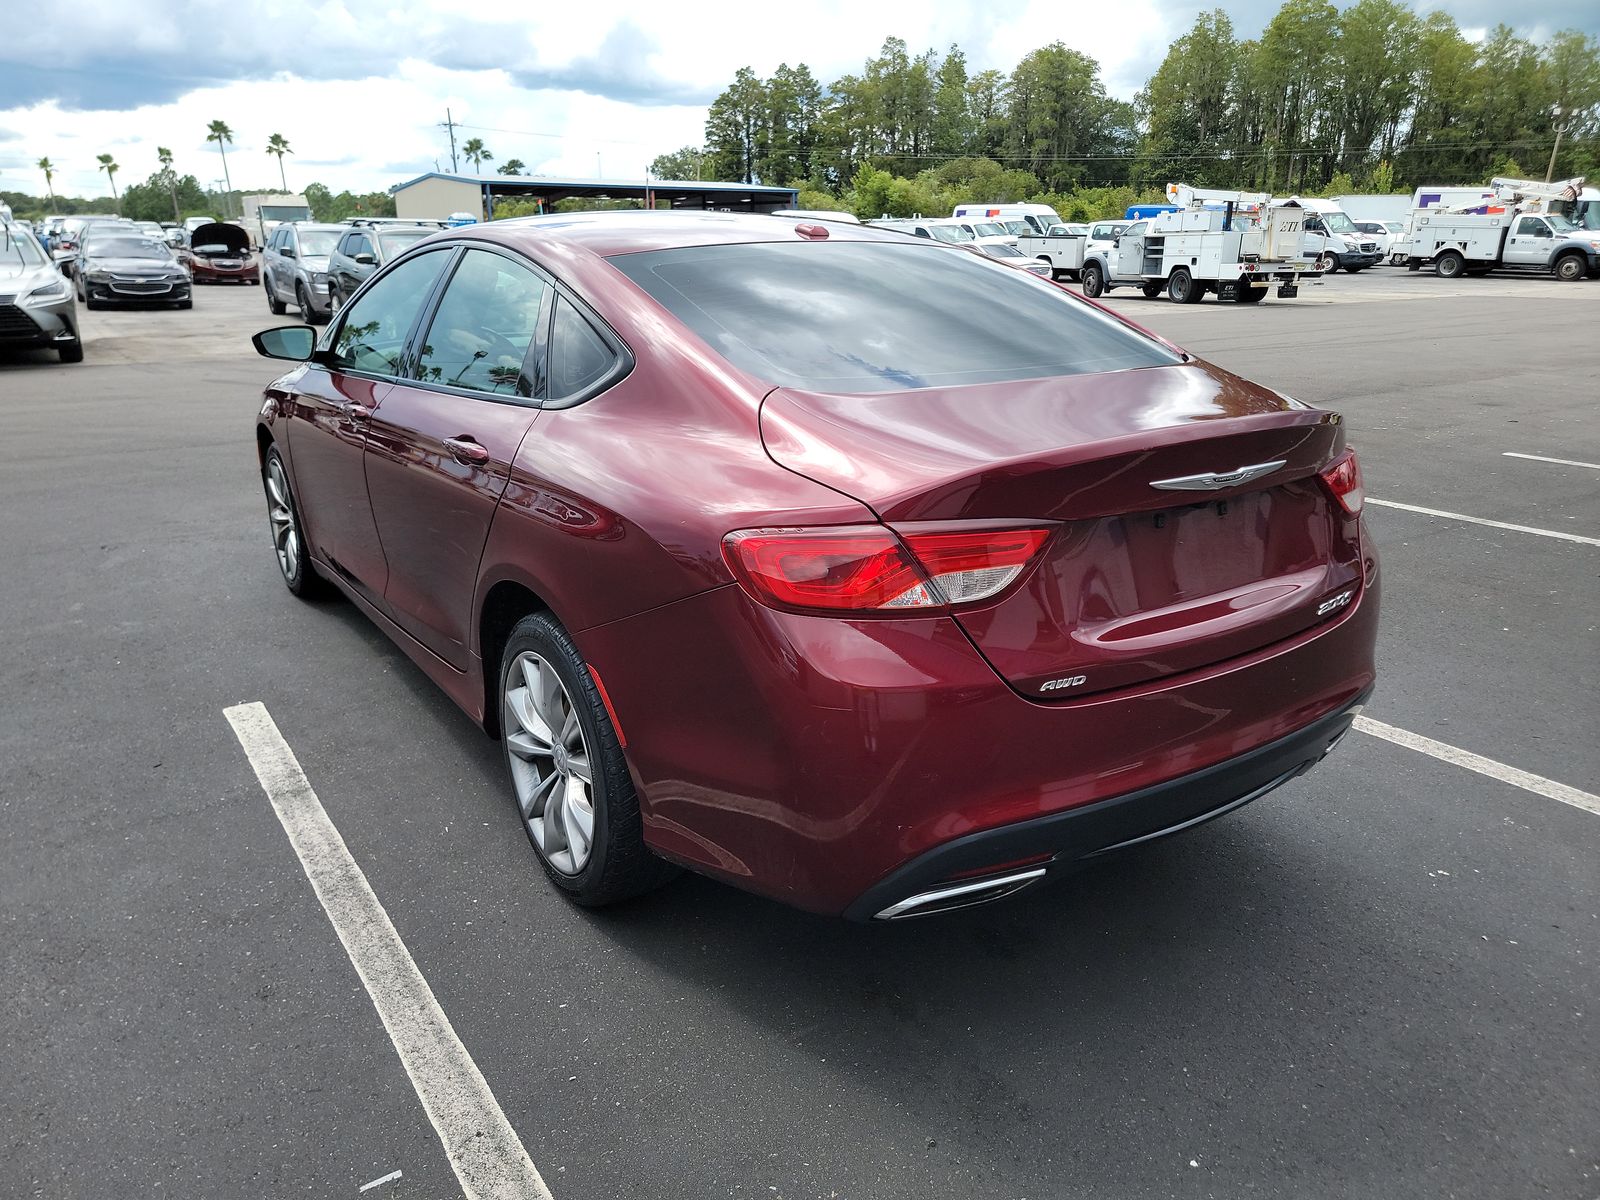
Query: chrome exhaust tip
point(960, 895)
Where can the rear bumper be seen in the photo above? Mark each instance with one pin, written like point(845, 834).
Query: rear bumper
point(1072, 837)
point(815, 760)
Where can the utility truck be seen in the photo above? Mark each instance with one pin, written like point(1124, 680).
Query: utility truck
point(1059, 247)
point(1516, 229)
point(1236, 244)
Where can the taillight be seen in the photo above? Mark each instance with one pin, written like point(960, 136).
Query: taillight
point(1343, 478)
point(867, 568)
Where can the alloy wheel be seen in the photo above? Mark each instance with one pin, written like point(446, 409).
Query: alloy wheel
point(550, 764)
point(285, 532)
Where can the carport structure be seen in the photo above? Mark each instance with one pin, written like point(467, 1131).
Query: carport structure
point(437, 194)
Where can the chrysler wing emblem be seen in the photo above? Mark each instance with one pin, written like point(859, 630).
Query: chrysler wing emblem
point(1217, 479)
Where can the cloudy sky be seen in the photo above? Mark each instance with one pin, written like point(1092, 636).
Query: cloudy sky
point(359, 87)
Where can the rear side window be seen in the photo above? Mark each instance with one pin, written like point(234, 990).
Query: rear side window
point(579, 357)
point(878, 317)
point(485, 323)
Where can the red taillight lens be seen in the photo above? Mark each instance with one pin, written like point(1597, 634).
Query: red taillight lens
point(866, 568)
point(1343, 478)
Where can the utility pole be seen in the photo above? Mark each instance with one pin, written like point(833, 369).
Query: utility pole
point(1550, 171)
point(449, 123)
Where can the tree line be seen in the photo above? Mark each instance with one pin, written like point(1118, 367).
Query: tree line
point(1370, 96)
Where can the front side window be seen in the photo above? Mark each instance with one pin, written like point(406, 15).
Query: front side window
point(878, 317)
point(486, 320)
point(1532, 227)
point(372, 334)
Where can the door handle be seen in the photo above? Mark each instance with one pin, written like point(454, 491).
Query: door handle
point(357, 412)
point(466, 451)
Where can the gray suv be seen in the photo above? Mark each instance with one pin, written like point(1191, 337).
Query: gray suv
point(294, 269)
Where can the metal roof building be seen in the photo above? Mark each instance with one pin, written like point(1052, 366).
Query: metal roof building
point(438, 194)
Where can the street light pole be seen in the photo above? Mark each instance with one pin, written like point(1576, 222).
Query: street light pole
point(1550, 171)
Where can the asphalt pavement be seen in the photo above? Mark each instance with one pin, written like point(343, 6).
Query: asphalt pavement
point(1380, 981)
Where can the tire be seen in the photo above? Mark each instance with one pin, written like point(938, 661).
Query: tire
point(93, 305)
point(71, 352)
point(1182, 289)
point(276, 306)
point(1354, 270)
point(334, 303)
point(545, 685)
point(1250, 295)
point(1449, 265)
point(303, 302)
point(1094, 281)
point(1327, 262)
point(288, 538)
point(185, 303)
point(1570, 268)
point(1151, 290)
point(78, 292)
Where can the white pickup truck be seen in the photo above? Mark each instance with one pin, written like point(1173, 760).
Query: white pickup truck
point(1470, 244)
point(1064, 251)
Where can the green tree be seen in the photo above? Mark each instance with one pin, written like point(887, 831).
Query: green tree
point(952, 133)
point(278, 146)
point(511, 166)
point(1059, 119)
point(736, 128)
point(1189, 108)
point(476, 153)
point(683, 163)
point(49, 169)
point(164, 195)
point(986, 108)
point(164, 156)
point(109, 166)
point(219, 133)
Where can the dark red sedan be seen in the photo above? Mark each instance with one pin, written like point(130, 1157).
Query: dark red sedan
point(848, 568)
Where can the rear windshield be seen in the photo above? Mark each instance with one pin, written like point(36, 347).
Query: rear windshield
point(397, 241)
point(879, 317)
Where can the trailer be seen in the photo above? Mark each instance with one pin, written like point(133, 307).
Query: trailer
point(1236, 244)
point(1063, 250)
point(1518, 228)
point(265, 212)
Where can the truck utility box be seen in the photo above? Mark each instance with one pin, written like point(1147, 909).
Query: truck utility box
point(1513, 234)
point(1062, 250)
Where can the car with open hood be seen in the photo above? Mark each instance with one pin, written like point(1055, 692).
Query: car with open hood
point(872, 576)
point(220, 253)
point(36, 305)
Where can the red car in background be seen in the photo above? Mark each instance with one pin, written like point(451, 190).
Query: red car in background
point(220, 253)
point(849, 568)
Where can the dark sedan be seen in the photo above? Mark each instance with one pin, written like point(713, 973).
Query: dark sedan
point(116, 266)
point(220, 253)
point(362, 251)
point(848, 568)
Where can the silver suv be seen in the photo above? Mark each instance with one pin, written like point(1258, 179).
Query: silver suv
point(294, 269)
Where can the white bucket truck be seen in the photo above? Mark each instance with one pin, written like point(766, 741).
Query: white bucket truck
point(1517, 229)
point(1236, 244)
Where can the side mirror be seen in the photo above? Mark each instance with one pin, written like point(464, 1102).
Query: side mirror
point(287, 251)
point(365, 259)
point(296, 343)
point(1117, 241)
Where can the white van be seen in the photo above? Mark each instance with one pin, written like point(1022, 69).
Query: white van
point(1332, 238)
point(936, 229)
point(818, 214)
point(1040, 216)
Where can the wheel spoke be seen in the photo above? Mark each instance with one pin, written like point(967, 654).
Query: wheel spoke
point(537, 798)
point(571, 732)
point(527, 745)
point(578, 764)
point(578, 819)
point(549, 697)
point(555, 833)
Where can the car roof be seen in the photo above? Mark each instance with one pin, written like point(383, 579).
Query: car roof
point(632, 231)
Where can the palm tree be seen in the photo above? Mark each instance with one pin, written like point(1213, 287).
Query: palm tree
point(49, 169)
point(110, 168)
point(475, 152)
point(222, 136)
point(511, 166)
point(165, 156)
point(279, 145)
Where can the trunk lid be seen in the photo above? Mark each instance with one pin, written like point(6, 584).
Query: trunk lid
point(1137, 582)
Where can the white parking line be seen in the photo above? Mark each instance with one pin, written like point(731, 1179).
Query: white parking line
point(1525, 780)
point(1438, 512)
point(1564, 462)
point(484, 1151)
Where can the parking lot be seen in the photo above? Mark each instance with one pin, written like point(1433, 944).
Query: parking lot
point(1379, 981)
